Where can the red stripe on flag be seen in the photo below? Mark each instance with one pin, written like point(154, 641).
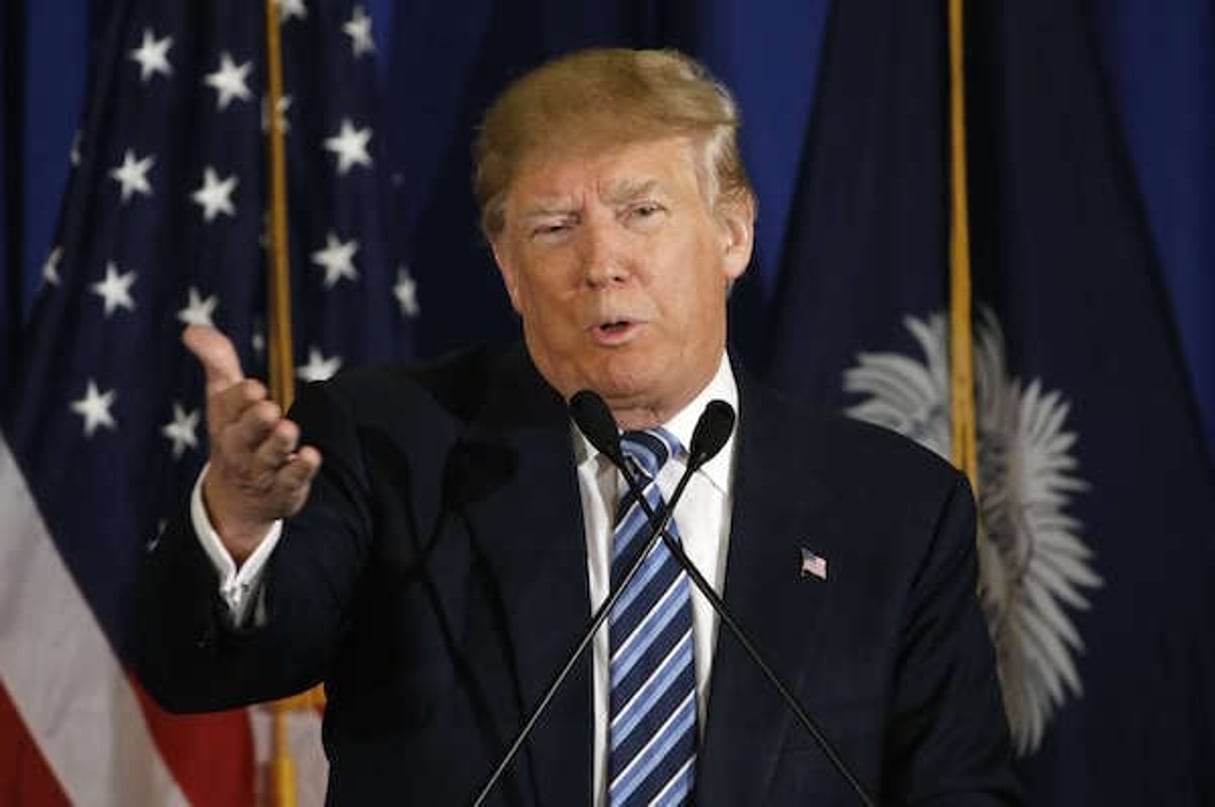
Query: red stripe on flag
point(25, 778)
point(211, 755)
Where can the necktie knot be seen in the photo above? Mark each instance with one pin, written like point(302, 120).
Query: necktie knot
point(650, 449)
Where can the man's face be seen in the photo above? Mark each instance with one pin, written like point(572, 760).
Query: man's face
point(619, 271)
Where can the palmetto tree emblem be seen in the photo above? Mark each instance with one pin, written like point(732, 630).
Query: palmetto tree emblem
point(1034, 568)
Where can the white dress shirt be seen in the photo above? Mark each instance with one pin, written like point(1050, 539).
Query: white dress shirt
point(239, 587)
point(703, 519)
point(702, 516)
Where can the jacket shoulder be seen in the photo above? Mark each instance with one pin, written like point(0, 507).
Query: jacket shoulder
point(861, 454)
point(455, 385)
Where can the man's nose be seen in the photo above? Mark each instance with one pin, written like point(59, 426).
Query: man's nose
point(604, 256)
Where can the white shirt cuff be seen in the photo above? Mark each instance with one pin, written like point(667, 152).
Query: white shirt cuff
point(239, 588)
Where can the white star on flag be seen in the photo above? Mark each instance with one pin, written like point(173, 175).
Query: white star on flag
point(153, 56)
point(151, 545)
point(50, 268)
point(181, 431)
point(350, 146)
point(288, 9)
point(406, 292)
point(115, 289)
point(94, 407)
point(318, 367)
point(284, 104)
point(215, 196)
point(133, 174)
point(168, 181)
point(337, 259)
point(229, 81)
point(198, 310)
point(358, 28)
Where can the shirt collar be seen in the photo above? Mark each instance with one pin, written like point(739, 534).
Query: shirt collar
point(722, 386)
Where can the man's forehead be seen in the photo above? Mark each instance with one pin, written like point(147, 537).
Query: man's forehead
point(613, 191)
point(617, 174)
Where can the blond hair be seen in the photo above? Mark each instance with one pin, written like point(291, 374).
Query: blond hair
point(601, 98)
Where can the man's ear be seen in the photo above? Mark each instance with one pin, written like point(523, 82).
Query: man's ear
point(507, 269)
point(736, 219)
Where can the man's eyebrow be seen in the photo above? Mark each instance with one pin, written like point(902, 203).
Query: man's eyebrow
point(549, 207)
point(629, 190)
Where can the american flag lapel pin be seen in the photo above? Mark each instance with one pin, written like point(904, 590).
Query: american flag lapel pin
point(813, 565)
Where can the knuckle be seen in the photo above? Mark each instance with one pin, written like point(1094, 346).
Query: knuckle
point(242, 393)
point(288, 431)
point(255, 389)
point(267, 412)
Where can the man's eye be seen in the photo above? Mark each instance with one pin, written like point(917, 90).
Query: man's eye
point(549, 229)
point(645, 211)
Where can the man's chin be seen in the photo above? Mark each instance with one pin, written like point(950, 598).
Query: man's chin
point(639, 401)
point(626, 381)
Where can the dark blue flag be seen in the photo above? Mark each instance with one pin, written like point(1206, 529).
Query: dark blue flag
point(867, 244)
point(1096, 499)
point(1063, 256)
point(163, 225)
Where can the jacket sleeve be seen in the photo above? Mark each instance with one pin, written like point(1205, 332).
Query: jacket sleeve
point(189, 654)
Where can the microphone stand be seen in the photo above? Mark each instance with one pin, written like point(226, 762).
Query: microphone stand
point(712, 431)
point(719, 606)
point(658, 530)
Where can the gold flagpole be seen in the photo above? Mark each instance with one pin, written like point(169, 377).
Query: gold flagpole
point(281, 784)
point(961, 365)
point(282, 382)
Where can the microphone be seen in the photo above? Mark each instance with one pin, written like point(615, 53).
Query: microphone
point(712, 430)
point(595, 421)
point(591, 415)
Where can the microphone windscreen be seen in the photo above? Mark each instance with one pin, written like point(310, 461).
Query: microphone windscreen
point(594, 419)
point(712, 431)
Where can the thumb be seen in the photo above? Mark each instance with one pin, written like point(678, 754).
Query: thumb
point(216, 354)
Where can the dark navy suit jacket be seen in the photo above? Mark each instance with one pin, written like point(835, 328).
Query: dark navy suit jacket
point(437, 578)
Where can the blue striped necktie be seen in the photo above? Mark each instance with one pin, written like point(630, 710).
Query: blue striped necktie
point(653, 678)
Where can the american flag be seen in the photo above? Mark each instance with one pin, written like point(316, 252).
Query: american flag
point(814, 565)
point(162, 225)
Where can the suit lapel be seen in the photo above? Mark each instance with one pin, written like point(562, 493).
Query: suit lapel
point(529, 530)
point(775, 505)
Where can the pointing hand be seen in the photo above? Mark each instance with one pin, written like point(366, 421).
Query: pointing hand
point(258, 471)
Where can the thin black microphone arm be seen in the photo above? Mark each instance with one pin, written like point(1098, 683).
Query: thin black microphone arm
point(719, 606)
point(658, 528)
point(713, 429)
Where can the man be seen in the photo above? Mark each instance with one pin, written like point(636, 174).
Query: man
point(431, 543)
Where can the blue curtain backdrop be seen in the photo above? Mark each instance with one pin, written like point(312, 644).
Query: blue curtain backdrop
point(1153, 71)
point(440, 61)
point(1160, 61)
